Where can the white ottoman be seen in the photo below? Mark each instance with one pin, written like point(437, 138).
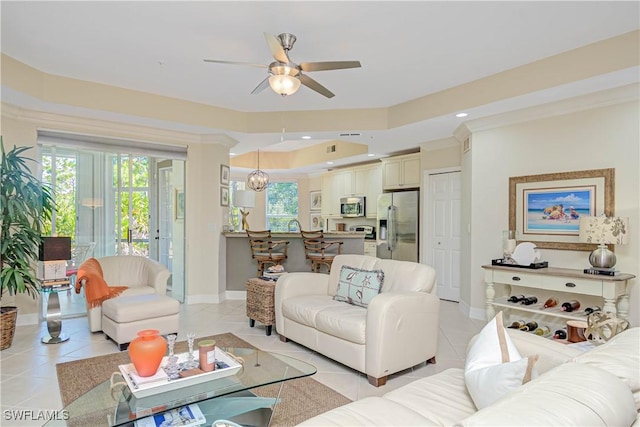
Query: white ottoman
point(123, 317)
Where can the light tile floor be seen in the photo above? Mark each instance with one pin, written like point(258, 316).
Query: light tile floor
point(28, 375)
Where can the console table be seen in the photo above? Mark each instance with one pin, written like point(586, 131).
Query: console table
point(566, 282)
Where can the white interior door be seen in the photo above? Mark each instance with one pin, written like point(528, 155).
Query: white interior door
point(444, 232)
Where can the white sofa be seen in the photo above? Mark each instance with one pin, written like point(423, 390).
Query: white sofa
point(397, 330)
point(142, 276)
point(598, 387)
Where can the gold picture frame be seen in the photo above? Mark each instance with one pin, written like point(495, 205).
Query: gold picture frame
point(599, 184)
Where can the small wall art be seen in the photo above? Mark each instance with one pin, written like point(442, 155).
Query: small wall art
point(224, 174)
point(224, 196)
point(315, 200)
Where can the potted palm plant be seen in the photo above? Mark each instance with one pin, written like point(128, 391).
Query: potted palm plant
point(25, 204)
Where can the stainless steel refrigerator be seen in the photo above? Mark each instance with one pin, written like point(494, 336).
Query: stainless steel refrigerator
point(398, 215)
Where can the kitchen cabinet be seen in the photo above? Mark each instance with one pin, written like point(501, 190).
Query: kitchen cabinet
point(401, 172)
point(362, 180)
point(370, 247)
point(610, 292)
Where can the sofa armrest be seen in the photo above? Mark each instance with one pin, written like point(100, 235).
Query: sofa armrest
point(402, 330)
point(158, 276)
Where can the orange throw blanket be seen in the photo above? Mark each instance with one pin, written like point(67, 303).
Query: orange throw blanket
point(95, 288)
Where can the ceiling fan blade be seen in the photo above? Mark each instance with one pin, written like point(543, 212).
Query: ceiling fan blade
point(276, 48)
point(329, 65)
point(236, 63)
point(314, 85)
point(262, 86)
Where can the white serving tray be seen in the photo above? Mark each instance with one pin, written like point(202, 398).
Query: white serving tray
point(144, 390)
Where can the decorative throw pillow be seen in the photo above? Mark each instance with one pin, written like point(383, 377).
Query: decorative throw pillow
point(358, 287)
point(494, 367)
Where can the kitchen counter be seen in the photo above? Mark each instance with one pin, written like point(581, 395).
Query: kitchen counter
point(241, 267)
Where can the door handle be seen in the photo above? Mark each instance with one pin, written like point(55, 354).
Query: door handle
point(129, 235)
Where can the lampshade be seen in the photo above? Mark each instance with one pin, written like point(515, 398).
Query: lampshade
point(603, 230)
point(284, 84)
point(258, 180)
point(244, 199)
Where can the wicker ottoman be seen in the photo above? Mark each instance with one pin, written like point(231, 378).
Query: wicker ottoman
point(260, 303)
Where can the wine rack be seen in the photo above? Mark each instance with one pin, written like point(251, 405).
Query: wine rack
point(609, 292)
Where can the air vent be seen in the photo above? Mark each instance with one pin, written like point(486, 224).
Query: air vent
point(331, 149)
point(350, 134)
point(466, 145)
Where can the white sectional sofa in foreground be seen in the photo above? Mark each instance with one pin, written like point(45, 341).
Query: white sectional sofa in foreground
point(599, 387)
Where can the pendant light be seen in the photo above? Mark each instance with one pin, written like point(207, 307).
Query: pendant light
point(258, 180)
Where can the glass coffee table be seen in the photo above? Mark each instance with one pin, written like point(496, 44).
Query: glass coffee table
point(226, 398)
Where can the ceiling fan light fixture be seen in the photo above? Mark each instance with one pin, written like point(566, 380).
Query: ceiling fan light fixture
point(284, 84)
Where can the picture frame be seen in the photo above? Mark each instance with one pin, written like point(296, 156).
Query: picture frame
point(545, 209)
point(315, 221)
point(224, 196)
point(315, 200)
point(178, 203)
point(224, 174)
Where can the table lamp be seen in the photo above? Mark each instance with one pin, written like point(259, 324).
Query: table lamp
point(604, 231)
point(244, 199)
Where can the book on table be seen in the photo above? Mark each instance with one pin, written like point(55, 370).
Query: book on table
point(186, 416)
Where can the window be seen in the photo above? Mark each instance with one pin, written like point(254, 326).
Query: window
point(282, 205)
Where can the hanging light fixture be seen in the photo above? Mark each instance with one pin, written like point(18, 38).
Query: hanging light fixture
point(258, 179)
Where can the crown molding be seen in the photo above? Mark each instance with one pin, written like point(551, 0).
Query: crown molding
point(68, 123)
point(619, 95)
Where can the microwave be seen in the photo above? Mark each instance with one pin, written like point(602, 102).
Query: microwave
point(352, 206)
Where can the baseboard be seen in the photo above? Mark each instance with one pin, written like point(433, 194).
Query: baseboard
point(27, 319)
point(472, 313)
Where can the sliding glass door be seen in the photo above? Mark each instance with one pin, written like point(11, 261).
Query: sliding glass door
point(111, 201)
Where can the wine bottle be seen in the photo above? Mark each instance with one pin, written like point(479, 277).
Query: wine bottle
point(517, 324)
point(560, 334)
point(516, 298)
point(551, 302)
point(590, 310)
point(542, 330)
point(530, 327)
point(529, 301)
point(569, 306)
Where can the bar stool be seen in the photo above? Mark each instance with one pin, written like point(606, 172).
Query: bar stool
point(319, 251)
point(265, 250)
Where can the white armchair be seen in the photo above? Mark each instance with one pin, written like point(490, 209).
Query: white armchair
point(397, 330)
point(141, 275)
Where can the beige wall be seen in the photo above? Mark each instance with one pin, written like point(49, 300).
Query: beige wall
point(605, 137)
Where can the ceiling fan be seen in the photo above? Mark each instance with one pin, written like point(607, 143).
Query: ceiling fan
point(285, 76)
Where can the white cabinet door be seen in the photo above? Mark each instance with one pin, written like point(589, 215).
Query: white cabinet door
point(392, 173)
point(411, 172)
point(401, 172)
point(374, 189)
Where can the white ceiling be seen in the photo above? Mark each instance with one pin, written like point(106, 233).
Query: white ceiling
point(407, 50)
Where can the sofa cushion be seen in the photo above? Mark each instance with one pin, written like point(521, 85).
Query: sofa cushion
point(571, 394)
point(370, 411)
point(348, 322)
point(304, 309)
point(494, 366)
point(619, 356)
point(441, 398)
point(357, 286)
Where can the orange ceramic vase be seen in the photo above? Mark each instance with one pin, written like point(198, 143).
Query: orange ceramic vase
point(146, 352)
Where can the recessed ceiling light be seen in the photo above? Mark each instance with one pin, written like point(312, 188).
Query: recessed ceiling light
point(329, 163)
point(232, 154)
point(462, 115)
point(306, 137)
point(370, 154)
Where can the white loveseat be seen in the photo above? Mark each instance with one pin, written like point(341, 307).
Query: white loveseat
point(598, 387)
point(397, 330)
point(141, 275)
